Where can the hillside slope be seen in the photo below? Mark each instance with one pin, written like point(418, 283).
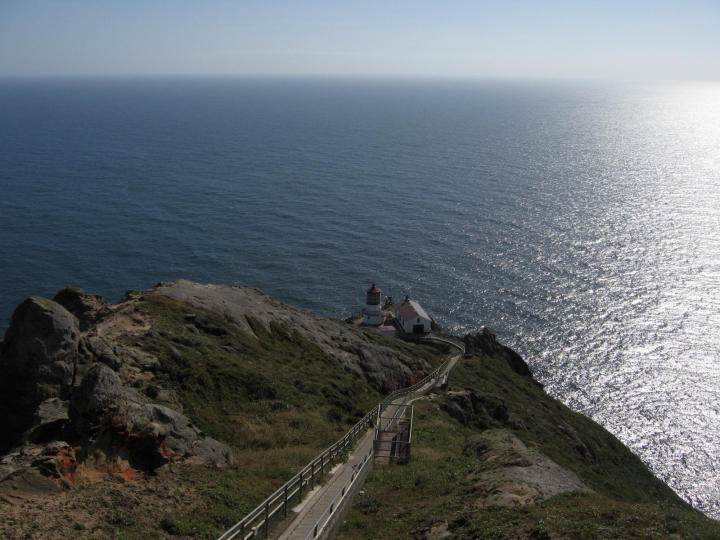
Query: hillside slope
point(175, 411)
point(496, 457)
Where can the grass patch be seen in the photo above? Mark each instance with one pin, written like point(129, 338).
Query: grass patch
point(275, 391)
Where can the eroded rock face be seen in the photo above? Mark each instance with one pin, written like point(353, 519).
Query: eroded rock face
point(103, 352)
point(125, 422)
point(38, 360)
point(58, 387)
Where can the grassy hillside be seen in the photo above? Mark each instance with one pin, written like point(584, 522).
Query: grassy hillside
point(277, 400)
point(450, 481)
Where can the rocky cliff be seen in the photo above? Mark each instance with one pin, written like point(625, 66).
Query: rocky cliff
point(92, 390)
point(175, 411)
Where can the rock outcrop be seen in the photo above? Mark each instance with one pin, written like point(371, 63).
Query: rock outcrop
point(88, 308)
point(66, 391)
point(486, 342)
point(382, 366)
point(511, 474)
point(38, 361)
point(473, 407)
point(123, 421)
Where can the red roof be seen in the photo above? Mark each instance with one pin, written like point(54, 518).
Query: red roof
point(373, 289)
point(410, 309)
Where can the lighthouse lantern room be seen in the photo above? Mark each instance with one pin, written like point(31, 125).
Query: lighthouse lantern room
point(372, 313)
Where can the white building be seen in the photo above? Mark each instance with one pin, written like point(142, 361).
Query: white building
point(372, 312)
point(412, 317)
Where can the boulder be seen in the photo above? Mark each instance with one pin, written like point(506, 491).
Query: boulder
point(38, 361)
point(103, 352)
point(49, 422)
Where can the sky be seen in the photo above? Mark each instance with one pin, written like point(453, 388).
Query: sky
point(608, 39)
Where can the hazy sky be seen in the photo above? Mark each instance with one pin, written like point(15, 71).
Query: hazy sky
point(599, 39)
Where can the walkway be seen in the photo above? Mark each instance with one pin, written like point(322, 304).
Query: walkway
point(325, 504)
point(314, 508)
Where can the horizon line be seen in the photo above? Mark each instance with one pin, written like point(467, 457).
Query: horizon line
point(348, 76)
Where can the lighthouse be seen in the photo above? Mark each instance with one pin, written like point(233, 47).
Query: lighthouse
point(372, 313)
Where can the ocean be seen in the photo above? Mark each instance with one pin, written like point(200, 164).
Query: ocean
point(579, 221)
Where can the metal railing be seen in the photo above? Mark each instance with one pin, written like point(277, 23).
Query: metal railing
point(397, 448)
point(257, 523)
point(336, 503)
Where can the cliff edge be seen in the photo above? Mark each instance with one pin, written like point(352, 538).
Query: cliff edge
point(175, 411)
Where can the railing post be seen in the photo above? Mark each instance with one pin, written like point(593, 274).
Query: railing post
point(267, 518)
point(312, 475)
point(285, 501)
point(242, 531)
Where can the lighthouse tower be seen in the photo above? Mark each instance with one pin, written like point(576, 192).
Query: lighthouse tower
point(372, 313)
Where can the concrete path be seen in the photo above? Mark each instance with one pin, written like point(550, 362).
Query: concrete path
point(314, 506)
point(319, 500)
point(312, 509)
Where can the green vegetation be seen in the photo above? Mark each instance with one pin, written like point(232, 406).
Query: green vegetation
point(278, 400)
point(438, 491)
point(568, 438)
point(276, 391)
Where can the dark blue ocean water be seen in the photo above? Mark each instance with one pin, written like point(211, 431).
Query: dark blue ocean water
point(580, 221)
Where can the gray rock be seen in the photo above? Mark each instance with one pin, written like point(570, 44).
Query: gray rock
point(38, 361)
point(103, 352)
point(42, 342)
point(149, 434)
point(136, 357)
point(88, 308)
point(509, 474)
point(51, 418)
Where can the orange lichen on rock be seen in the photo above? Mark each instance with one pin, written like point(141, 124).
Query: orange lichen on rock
point(168, 453)
point(66, 466)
